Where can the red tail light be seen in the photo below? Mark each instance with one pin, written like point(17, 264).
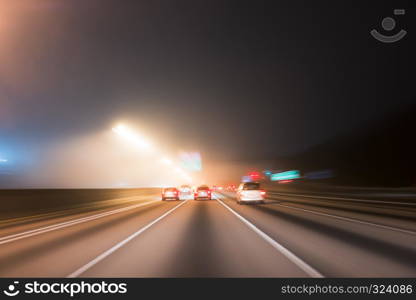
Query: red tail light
point(263, 193)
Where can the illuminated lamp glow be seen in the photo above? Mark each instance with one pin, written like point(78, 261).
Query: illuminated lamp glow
point(131, 136)
point(166, 161)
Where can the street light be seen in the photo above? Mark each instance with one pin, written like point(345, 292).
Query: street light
point(133, 137)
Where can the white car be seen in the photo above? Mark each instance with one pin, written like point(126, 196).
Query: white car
point(185, 192)
point(250, 192)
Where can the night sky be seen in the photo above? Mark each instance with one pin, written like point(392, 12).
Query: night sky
point(231, 79)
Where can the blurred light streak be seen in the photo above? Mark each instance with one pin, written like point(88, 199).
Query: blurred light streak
point(321, 174)
point(292, 174)
point(166, 161)
point(132, 137)
point(286, 181)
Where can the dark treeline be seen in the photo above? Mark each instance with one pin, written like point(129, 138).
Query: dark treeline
point(380, 154)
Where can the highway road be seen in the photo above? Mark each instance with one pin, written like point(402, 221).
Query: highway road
point(147, 237)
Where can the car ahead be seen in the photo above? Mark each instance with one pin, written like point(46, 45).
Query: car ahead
point(250, 192)
point(171, 193)
point(202, 192)
point(185, 192)
point(231, 188)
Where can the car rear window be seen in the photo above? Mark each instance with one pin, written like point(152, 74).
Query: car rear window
point(203, 188)
point(251, 186)
point(170, 189)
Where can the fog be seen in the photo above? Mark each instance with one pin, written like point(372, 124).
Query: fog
point(98, 160)
point(105, 160)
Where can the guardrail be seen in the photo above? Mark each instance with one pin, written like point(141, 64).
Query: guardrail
point(348, 198)
point(20, 203)
point(390, 207)
point(398, 208)
point(352, 191)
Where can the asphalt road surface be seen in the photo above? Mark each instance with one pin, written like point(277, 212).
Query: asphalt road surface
point(218, 238)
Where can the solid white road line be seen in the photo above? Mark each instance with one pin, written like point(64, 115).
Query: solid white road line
point(120, 244)
point(349, 219)
point(291, 256)
point(25, 234)
point(340, 198)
